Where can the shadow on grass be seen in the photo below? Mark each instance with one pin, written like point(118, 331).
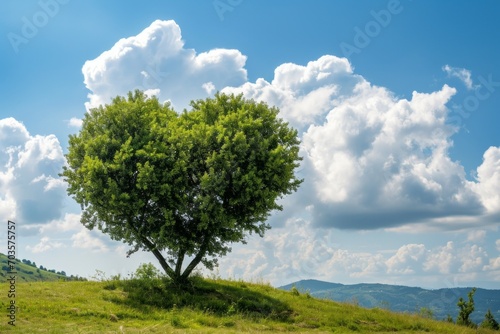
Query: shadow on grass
point(207, 296)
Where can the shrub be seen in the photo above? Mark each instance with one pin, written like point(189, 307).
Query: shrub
point(147, 272)
point(490, 322)
point(466, 308)
point(295, 291)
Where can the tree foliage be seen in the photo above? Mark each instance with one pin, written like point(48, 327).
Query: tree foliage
point(466, 308)
point(489, 321)
point(182, 186)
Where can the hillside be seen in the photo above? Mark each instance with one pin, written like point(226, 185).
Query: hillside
point(31, 273)
point(404, 299)
point(207, 306)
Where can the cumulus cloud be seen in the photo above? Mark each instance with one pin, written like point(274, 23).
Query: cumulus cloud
point(405, 259)
point(86, 239)
point(462, 74)
point(488, 179)
point(375, 160)
point(494, 265)
point(476, 236)
point(31, 191)
point(472, 259)
point(70, 222)
point(75, 122)
point(156, 60)
point(442, 260)
point(44, 245)
point(297, 251)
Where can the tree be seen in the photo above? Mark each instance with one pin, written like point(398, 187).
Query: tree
point(466, 308)
point(182, 186)
point(489, 321)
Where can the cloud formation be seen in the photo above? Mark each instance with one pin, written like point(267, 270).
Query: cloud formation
point(375, 160)
point(371, 159)
point(462, 74)
point(298, 251)
point(44, 245)
point(30, 189)
point(156, 61)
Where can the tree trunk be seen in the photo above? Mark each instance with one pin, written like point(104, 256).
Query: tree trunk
point(197, 259)
point(178, 265)
point(152, 247)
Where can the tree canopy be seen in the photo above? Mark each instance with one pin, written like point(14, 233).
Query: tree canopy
point(182, 186)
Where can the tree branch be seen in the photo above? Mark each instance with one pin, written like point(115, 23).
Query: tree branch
point(152, 247)
point(197, 259)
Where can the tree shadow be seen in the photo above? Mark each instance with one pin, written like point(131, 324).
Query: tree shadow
point(219, 298)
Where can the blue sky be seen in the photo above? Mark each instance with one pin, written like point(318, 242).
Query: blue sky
point(396, 102)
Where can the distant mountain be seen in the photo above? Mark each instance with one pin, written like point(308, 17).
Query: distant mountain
point(402, 298)
point(27, 271)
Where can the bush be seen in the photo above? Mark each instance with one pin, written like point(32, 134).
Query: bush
point(295, 291)
point(426, 312)
point(147, 272)
point(490, 322)
point(466, 308)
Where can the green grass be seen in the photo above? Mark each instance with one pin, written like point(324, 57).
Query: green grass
point(207, 306)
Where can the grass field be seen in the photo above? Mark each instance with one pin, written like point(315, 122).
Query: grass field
point(207, 306)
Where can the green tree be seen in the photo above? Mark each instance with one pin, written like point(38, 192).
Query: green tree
point(489, 321)
point(147, 272)
point(182, 186)
point(466, 308)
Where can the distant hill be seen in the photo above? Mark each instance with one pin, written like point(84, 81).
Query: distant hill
point(402, 298)
point(28, 271)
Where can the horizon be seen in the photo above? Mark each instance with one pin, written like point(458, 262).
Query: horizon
point(91, 278)
point(397, 116)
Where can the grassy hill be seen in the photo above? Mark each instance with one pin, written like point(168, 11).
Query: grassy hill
point(403, 298)
point(32, 273)
point(207, 306)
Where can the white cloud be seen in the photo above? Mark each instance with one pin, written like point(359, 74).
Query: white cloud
point(375, 160)
point(405, 259)
point(488, 179)
point(494, 265)
point(305, 94)
point(30, 188)
point(70, 222)
point(442, 260)
point(497, 243)
point(472, 259)
point(85, 239)
point(297, 251)
point(476, 236)
point(462, 74)
point(208, 87)
point(156, 59)
point(44, 245)
point(75, 122)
